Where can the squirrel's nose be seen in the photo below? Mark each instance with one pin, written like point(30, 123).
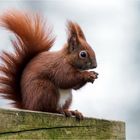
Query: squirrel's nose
point(94, 64)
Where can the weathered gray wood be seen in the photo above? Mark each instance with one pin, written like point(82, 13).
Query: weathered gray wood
point(19, 124)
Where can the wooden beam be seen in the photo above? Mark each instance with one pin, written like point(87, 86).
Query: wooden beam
point(23, 124)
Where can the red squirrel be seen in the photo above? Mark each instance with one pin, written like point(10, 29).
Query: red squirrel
point(38, 79)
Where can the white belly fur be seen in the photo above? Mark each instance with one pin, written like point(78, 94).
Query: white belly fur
point(64, 96)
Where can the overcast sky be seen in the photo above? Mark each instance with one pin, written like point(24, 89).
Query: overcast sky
point(112, 29)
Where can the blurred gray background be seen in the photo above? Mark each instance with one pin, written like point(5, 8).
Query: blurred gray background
point(112, 29)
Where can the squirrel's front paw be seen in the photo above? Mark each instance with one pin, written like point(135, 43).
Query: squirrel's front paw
point(95, 74)
point(92, 75)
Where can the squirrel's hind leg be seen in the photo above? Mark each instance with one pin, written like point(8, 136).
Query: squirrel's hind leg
point(41, 95)
point(70, 113)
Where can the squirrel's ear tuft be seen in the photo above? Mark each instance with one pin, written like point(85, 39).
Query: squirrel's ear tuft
point(73, 40)
point(80, 32)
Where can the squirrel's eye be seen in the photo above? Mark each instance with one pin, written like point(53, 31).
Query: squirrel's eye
point(83, 54)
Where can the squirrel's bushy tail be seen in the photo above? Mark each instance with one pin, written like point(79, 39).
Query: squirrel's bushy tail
point(32, 38)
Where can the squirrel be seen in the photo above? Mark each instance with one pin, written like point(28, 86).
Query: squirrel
point(36, 78)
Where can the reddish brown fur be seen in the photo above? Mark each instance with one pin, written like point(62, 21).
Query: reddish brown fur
point(33, 75)
point(31, 40)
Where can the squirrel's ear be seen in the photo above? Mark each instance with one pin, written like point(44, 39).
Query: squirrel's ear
point(73, 40)
point(80, 32)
